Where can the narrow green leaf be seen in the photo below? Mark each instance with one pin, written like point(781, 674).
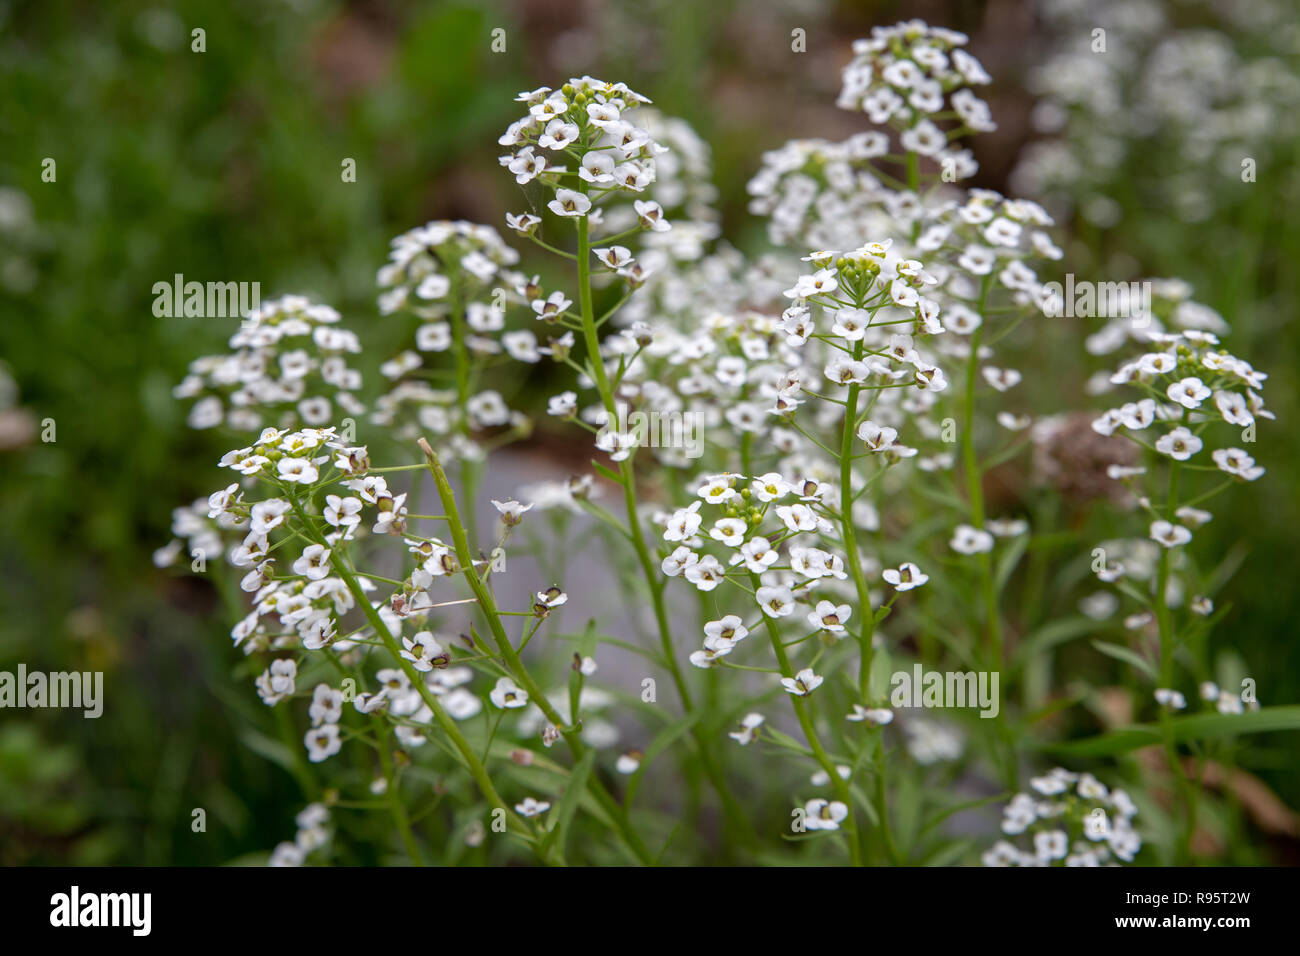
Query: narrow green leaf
point(1195, 727)
point(1008, 561)
point(661, 742)
point(569, 803)
point(1128, 656)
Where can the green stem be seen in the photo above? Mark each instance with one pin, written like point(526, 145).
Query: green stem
point(487, 604)
point(474, 765)
point(734, 812)
point(866, 628)
point(1164, 620)
point(840, 785)
point(394, 795)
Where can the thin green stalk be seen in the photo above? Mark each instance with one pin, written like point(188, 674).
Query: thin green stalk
point(474, 765)
point(1164, 620)
point(866, 626)
point(838, 783)
point(487, 604)
point(734, 812)
point(393, 794)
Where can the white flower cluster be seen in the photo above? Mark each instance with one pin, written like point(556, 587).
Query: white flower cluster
point(908, 73)
point(288, 365)
point(684, 189)
point(313, 834)
point(1210, 92)
point(453, 278)
point(582, 122)
point(1073, 819)
point(1190, 383)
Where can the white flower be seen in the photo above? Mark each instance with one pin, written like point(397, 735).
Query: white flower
point(524, 223)
point(1051, 845)
point(730, 531)
point(706, 573)
point(822, 814)
point(769, 487)
point(1193, 517)
point(907, 576)
point(553, 305)
point(878, 716)
point(628, 763)
point(748, 731)
point(615, 257)
point(829, 616)
point(714, 648)
point(326, 705)
point(729, 628)
point(1188, 392)
point(651, 216)
point(512, 512)
point(822, 282)
point(967, 539)
point(1169, 535)
point(557, 135)
point(1180, 444)
point(322, 742)
point(298, 470)
point(758, 554)
point(314, 562)
point(775, 601)
point(433, 286)
point(930, 378)
point(531, 807)
point(684, 523)
point(1001, 378)
point(876, 437)
point(507, 695)
point(597, 167)
point(1235, 462)
point(552, 597)
point(1233, 408)
point(562, 405)
point(798, 517)
point(717, 490)
point(1170, 698)
point(569, 202)
point(803, 683)
point(677, 562)
point(423, 651)
point(342, 512)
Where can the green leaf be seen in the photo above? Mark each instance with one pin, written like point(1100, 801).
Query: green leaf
point(661, 742)
point(1194, 727)
point(611, 475)
point(1008, 561)
point(785, 740)
point(651, 656)
point(272, 750)
point(956, 808)
point(1056, 632)
point(569, 803)
point(1128, 656)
